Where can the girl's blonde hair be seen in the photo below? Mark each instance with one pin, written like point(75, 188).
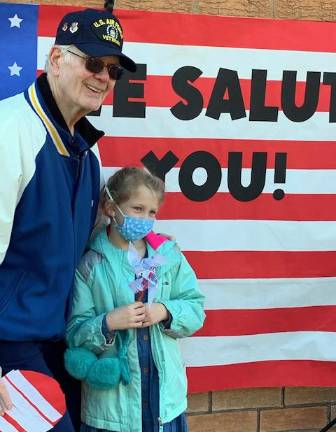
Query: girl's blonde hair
point(123, 183)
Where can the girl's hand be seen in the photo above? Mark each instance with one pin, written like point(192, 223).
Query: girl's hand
point(155, 313)
point(125, 317)
point(5, 402)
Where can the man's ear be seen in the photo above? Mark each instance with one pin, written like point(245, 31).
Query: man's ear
point(55, 55)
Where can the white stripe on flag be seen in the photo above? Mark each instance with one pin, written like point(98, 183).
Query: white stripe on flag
point(268, 293)
point(222, 350)
point(31, 393)
point(5, 426)
point(210, 59)
point(24, 413)
point(251, 235)
point(160, 122)
point(297, 181)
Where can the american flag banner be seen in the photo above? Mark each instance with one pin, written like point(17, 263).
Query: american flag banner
point(238, 116)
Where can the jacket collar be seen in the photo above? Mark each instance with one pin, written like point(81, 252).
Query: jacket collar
point(44, 104)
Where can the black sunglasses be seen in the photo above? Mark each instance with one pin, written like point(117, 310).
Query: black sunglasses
point(96, 65)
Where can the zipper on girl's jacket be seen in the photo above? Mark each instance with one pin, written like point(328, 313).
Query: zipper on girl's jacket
point(159, 369)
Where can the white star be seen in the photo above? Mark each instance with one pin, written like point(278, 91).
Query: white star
point(15, 21)
point(14, 69)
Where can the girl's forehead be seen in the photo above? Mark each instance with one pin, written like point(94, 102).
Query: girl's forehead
point(142, 192)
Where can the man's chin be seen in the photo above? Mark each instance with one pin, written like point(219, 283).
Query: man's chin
point(95, 111)
point(94, 108)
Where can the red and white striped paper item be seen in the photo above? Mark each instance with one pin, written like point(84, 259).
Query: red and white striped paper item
point(38, 402)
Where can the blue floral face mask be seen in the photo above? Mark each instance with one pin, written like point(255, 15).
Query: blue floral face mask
point(133, 228)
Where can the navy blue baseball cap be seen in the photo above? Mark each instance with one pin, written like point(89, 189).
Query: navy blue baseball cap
point(97, 33)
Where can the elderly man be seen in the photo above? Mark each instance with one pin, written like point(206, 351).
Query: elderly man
point(50, 189)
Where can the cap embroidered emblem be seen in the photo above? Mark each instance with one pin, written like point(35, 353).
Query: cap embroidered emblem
point(73, 27)
point(65, 26)
point(108, 30)
point(111, 31)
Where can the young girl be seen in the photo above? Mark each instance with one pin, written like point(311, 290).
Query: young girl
point(135, 296)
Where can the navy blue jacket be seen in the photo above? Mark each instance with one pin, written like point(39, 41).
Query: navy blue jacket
point(48, 202)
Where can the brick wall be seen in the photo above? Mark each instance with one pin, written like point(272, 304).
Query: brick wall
point(249, 410)
point(262, 410)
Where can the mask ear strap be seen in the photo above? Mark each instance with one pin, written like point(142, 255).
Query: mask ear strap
point(115, 221)
point(111, 198)
point(109, 193)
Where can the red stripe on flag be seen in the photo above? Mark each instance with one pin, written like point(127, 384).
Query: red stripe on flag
point(223, 206)
point(174, 28)
point(281, 373)
point(265, 264)
point(50, 16)
point(126, 151)
point(228, 322)
point(158, 92)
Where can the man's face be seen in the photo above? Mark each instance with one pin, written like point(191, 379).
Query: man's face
point(79, 90)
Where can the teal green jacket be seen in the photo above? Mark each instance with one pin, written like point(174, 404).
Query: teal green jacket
point(102, 284)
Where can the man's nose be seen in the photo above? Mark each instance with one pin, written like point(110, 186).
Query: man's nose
point(103, 74)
